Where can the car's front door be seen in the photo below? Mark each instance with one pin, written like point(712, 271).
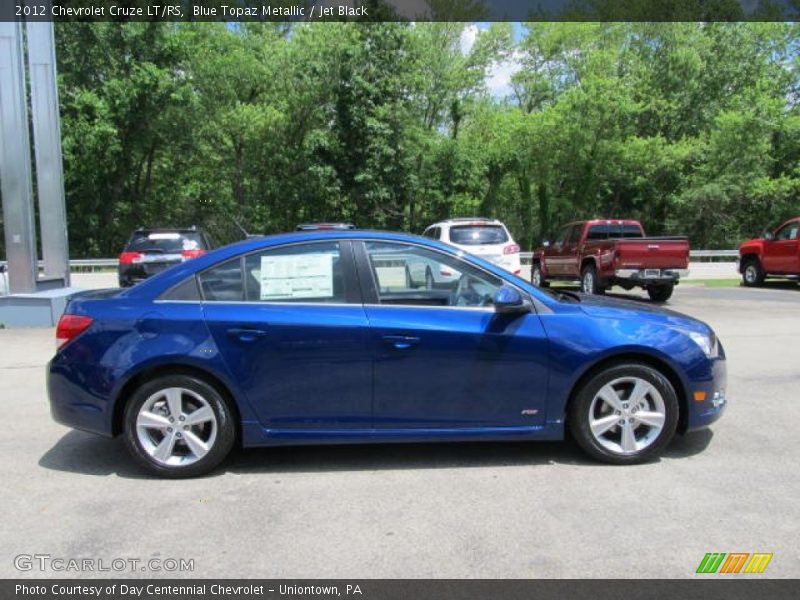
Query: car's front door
point(292, 330)
point(782, 255)
point(443, 357)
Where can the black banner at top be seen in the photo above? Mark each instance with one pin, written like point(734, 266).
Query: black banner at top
point(399, 10)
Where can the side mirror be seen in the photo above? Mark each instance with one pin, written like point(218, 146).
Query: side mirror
point(508, 300)
point(769, 236)
point(546, 243)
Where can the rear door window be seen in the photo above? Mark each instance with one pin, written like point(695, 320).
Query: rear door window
point(308, 273)
point(477, 235)
point(597, 232)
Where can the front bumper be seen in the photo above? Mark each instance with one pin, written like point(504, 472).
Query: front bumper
point(707, 399)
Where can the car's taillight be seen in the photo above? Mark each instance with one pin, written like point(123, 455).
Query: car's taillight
point(69, 327)
point(127, 258)
point(511, 249)
point(187, 254)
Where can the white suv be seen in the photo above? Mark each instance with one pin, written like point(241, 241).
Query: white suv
point(487, 238)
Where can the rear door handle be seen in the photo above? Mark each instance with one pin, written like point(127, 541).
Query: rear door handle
point(400, 342)
point(245, 334)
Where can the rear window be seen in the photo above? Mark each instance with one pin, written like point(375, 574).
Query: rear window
point(476, 235)
point(165, 242)
point(613, 231)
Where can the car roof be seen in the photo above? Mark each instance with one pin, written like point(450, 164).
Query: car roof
point(191, 229)
point(467, 221)
point(603, 222)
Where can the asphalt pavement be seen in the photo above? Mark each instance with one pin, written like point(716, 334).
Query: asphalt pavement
point(504, 510)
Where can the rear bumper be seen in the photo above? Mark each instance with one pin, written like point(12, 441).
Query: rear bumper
point(74, 405)
point(651, 275)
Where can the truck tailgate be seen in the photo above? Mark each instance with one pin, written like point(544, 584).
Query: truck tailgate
point(652, 253)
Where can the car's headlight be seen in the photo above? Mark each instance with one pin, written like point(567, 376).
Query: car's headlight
point(707, 342)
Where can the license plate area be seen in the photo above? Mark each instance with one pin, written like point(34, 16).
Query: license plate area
point(652, 273)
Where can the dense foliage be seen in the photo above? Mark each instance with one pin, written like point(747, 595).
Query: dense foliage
point(693, 128)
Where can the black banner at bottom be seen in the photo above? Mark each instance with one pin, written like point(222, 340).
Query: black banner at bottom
point(390, 589)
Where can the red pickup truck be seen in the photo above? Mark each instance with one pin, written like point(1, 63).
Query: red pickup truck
point(776, 253)
point(603, 252)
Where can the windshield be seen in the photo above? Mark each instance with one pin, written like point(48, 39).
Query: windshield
point(476, 235)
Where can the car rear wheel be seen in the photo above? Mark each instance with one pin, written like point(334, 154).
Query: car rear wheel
point(626, 414)
point(752, 273)
point(178, 426)
point(589, 282)
point(660, 293)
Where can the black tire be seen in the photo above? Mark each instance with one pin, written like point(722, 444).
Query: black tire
point(579, 413)
point(590, 284)
point(225, 426)
point(753, 274)
point(660, 293)
point(536, 272)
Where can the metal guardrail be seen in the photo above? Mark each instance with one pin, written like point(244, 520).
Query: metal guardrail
point(525, 257)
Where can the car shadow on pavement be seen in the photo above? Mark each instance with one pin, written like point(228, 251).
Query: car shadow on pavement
point(87, 454)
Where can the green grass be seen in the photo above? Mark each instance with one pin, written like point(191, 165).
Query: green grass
point(718, 283)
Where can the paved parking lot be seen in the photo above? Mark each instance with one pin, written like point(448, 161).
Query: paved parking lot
point(509, 510)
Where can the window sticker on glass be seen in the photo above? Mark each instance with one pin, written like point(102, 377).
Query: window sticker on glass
point(297, 276)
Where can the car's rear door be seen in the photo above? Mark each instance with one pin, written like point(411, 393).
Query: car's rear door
point(292, 330)
point(443, 357)
point(555, 253)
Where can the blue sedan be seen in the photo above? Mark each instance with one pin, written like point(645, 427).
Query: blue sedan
point(331, 338)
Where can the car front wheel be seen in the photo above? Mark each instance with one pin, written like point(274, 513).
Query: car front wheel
point(626, 414)
point(752, 273)
point(178, 426)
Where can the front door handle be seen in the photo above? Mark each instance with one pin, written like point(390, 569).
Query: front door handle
point(245, 334)
point(400, 342)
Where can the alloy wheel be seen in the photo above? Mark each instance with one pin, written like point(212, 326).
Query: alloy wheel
point(588, 282)
point(627, 415)
point(176, 426)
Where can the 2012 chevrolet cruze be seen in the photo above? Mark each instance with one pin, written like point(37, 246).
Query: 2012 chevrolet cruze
point(324, 338)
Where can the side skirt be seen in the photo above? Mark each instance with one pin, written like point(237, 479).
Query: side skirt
point(253, 434)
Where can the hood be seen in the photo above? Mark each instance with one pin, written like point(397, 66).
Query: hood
point(618, 308)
